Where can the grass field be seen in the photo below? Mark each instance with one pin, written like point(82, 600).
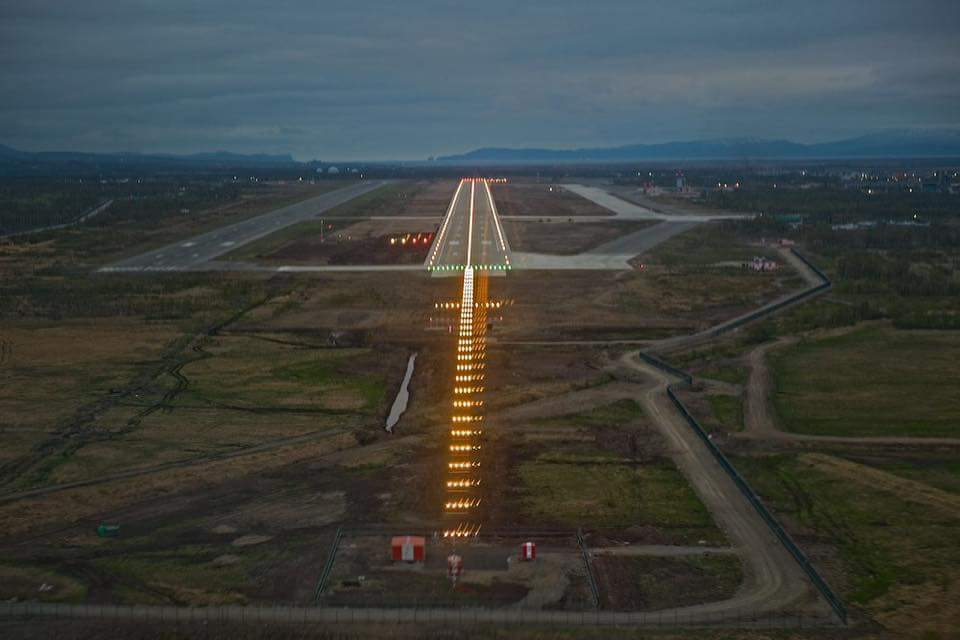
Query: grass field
point(53, 368)
point(942, 474)
point(335, 380)
point(615, 414)
point(872, 382)
point(728, 411)
point(614, 483)
point(269, 244)
point(896, 558)
point(706, 245)
point(734, 374)
point(391, 195)
point(651, 583)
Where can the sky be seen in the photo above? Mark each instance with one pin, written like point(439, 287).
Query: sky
point(355, 80)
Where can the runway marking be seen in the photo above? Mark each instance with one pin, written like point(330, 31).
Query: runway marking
point(470, 227)
point(496, 218)
point(438, 242)
point(228, 243)
point(188, 244)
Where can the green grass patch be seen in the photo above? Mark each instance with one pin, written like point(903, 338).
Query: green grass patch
point(728, 411)
point(941, 474)
point(614, 414)
point(411, 589)
point(28, 582)
point(872, 382)
point(704, 245)
point(884, 543)
point(597, 493)
point(725, 373)
point(651, 583)
point(186, 576)
point(313, 372)
point(269, 244)
point(233, 373)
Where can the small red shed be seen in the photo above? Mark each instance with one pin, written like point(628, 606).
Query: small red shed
point(407, 548)
point(528, 551)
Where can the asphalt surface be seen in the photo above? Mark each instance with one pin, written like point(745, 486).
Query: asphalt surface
point(471, 234)
point(613, 255)
point(187, 255)
point(629, 211)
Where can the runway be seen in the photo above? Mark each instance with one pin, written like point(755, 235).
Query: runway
point(191, 254)
point(471, 234)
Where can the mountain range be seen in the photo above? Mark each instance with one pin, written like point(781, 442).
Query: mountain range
point(17, 162)
point(903, 143)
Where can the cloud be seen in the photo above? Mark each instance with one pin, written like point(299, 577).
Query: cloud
point(408, 80)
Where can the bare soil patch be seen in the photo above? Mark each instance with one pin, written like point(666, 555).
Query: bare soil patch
point(542, 200)
point(566, 238)
point(649, 583)
point(362, 243)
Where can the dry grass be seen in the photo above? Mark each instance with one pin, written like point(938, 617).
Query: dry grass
point(53, 369)
point(76, 506)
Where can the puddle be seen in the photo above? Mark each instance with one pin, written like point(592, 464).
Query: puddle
point(403, 397)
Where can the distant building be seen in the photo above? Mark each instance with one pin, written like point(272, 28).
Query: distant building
point(793, 219)
point(333, 170)
point(759, 263)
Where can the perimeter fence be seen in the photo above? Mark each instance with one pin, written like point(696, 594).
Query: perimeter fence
point(457, 618)
point(686, 380)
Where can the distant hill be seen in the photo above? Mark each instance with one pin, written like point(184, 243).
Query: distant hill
point(887, 144)
point(16, 162)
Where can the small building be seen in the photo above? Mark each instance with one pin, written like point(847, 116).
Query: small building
point(528, 551)
point(407, 548)
point(759, 263)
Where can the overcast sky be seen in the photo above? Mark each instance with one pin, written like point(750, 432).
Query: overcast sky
point(406, 79)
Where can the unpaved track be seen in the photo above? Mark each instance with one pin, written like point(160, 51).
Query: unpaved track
point(178, 464)
point(772, 579)
point(758, 419)
point(904, 488)
point(271, 445)
point(760, 422)
point(669, 345)
point(660, 550)
point(572, 402)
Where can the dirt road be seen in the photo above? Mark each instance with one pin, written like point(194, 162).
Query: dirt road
point(760, 423)
point(772, 579)
point(786, 301)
